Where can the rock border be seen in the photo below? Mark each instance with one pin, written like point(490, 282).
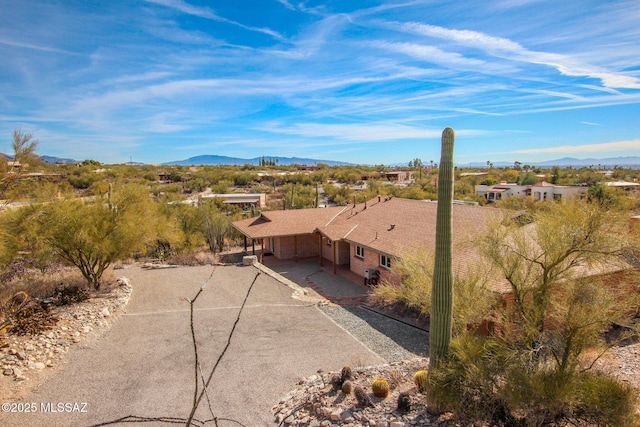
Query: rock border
point(27, 359)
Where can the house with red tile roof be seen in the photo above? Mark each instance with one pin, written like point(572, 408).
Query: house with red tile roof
point(365, 236)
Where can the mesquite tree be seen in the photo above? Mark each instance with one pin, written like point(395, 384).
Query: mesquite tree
point(442, 293)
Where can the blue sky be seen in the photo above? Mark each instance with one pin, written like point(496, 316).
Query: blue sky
point(362, 81)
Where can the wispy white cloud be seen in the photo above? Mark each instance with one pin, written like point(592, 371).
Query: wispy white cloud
point(359, 132)
point(349, 132)
point(432, 54)
point(205, 12)
point(24, 45)
point(286, 4)
point(508, 49)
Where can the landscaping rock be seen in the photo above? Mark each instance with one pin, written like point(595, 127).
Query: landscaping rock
point(76, 323)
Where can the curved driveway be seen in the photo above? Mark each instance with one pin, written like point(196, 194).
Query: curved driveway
point(143, 367)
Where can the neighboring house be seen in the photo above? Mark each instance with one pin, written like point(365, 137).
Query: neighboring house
point(624, 185)
point(364, 236)
point(400, 176)
point(540, 191)
point(244, 200)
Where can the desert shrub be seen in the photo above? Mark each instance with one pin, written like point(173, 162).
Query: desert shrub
point(473, 299)
point(41, 283)
point(32, 319)
point(192, 258)
point(69, 295)
point(605, 401)
point(485, 380)
point(557, 397)
point(161, 249)
point(468, 380)
point(396, 377)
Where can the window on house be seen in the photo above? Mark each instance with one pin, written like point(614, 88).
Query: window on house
point(385, 261)
point(359, 251)
point(328, 242)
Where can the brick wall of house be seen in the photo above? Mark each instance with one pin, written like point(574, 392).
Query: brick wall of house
point(301, 246)
point(371, 260)
point(308, 245)
point(343, 254)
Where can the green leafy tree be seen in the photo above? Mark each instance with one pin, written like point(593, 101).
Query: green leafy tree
point(89, 234)
point(556, 175)
point(609, 197)
point(527, 178)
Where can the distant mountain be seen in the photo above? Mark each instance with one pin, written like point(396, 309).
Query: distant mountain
point(56, 160)
point(629, 162)
point(212, 159)
point(45, 159)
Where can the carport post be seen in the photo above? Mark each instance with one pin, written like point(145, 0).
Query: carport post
point(261, 249)
point(333, 246)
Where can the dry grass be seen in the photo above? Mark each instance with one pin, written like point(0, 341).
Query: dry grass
point(42, 285)
point(193, 258)
point(55, 284)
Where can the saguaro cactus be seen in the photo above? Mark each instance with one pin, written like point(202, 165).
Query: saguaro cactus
point(442, 292)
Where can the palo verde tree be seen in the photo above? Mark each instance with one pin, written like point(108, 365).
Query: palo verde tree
point(442, 293)
point(569, 276)
point(546, 261)
point(215, 225)
point(89, 234)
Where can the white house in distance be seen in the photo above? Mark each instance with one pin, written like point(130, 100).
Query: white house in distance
point(240, 199)
point(624, 185)
point(540, 191)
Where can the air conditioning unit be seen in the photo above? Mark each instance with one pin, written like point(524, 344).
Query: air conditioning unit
point(371, 276)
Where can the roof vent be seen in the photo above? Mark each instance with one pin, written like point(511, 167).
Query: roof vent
point(391, 227)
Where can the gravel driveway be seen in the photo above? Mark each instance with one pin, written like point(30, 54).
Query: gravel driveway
point(143, 367)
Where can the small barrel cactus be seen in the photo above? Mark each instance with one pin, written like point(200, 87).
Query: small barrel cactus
point(380, 388)
point(404, 402)
point(346, 374)
point(362, 397)
point(421, 379)
point(336, 381)
point(347, 386)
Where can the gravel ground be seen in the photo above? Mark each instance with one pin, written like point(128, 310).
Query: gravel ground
point(392, 340)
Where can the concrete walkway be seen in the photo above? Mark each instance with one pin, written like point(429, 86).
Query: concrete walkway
point(143, 367)
point(339, 288)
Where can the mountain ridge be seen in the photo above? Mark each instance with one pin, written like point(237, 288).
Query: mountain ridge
point(213, 160)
